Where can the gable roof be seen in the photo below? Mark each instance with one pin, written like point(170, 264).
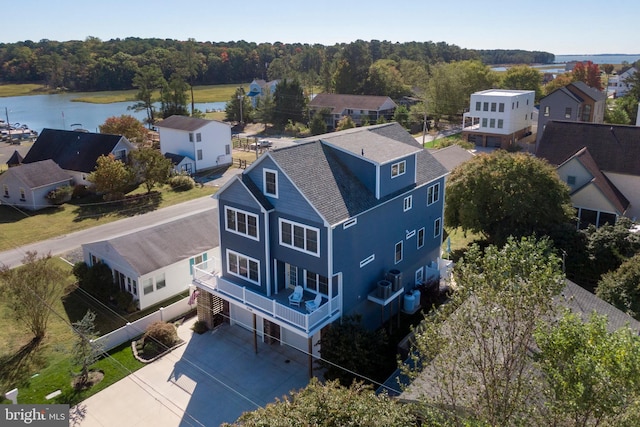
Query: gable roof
point(334, 190)
point(72, 150)
point(615, 148)
point(15, 159)
point(184, 123)
point(587, 90)
point(563, 91)
point(38, 174)
point(606, 187)
point(175, 158)
point(452, 156)
point(165, 244)
point(338, 103)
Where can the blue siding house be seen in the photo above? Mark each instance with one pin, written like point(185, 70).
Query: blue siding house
point(335, 214)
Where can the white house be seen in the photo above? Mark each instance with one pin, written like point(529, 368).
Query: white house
point(619, 84)
point(27, 185)
point(155, 264)
point(498, 117)
point(206, 143)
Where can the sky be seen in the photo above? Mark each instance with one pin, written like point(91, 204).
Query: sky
point(561, 27)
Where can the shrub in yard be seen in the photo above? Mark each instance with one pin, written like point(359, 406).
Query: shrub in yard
point(181, 182)
point(79, 190)
point(200, 327)
point(162, 333)
point(96, 279)
point(60, 195)
point(125, 302)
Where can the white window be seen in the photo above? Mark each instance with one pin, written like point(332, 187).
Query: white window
point(398, 169)
point(500, 123)
point(367, 260)
point(350, 223)
point(433, 194)
point(300, 237)
point(419, 276)
point(241, 222)
point(571, 180)
point(198, 137)
point(492, 123)
point(420, 238)
point(409, 234)
point(227, 149)
point(478, 105)
point(243, 266)
point(501, 107)
point(270, 182)
point(190, 137)
point(408, 203)
point(199, 154)
point(23, 196)
point(567, 113)
point(484, 122)
point(160, 281)
point(5, 188)
point(547, 111)
point(436, 227)
point(398, 252)
point(147, 286)
point(317, 282)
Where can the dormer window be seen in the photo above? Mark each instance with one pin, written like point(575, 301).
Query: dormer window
point(398, 169)
point(270, 182)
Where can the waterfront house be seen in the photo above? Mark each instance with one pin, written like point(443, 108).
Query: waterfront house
point(155, 264)
point(601, 165)
point(354, 218)
point(361, 108)
point(499, 118)
point(77, 152)
point(202, 144)
point(619, 84)
point(27, 185)
point(259, 89)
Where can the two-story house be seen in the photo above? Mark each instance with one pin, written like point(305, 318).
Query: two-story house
point(361, 108)
point(334, 215)
point(195, 144)
point(258, 89)
point(77, 152)
point(619, 84)
point(600, 164)
point(499, 117)
point(576, 102)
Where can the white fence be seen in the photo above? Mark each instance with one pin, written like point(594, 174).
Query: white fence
point(134, 329)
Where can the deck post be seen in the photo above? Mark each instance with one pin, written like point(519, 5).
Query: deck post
point(255, 334)
point(310, 353)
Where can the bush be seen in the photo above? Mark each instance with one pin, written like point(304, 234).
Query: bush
point(96, 280)
point(79, 190)
point(125, 302)
point(60, 195)
point(162, 333)
point(181, 183)
point(200, 327)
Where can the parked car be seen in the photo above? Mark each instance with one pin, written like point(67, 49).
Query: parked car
point(261, 143)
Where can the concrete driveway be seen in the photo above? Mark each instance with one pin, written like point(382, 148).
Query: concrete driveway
point(211, 379)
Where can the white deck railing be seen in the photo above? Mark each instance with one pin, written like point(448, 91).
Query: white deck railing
point(269, 306)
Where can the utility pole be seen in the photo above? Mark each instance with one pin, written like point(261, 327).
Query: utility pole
point(240, 97)
point(424, 124)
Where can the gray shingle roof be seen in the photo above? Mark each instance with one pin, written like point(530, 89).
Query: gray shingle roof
point(332, 188)
point(615, 148)
point(39, 174)
point(338, 102)
point(189, 124)
point(156, 247)
point(451, 156)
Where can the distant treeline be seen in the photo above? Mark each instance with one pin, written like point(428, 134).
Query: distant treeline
point(93, 64)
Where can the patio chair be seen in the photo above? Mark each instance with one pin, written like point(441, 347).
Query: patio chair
point(313, 305)
point(296, 297)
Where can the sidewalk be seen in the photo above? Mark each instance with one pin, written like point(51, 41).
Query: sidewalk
point(211, 379)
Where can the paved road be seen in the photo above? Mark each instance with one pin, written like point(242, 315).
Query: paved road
point(62, 244)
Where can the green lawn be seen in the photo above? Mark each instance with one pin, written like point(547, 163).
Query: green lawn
point(19, 228)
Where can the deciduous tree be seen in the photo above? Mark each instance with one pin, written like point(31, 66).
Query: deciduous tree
point(503, 194)
point(592, 374)
point(621, 287)
point(523, 77)
point(588, 73)
point(85, 350)
point(330, 404)
point(111, 177)
point(32, 290)
point(473, 354)
point(125, 125)
point(150, 166)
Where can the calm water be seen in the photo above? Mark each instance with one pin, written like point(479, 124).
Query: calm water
point(598, 59)
point(59, 112)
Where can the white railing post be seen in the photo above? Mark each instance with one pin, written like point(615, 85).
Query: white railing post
point(162, 314)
